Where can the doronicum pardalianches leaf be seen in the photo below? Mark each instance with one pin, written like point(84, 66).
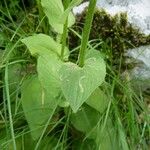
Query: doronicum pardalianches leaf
point(47, 68)
point(89, 121)
point(98, 100)
point(54, 10)
point(72, 4)
point(41, 44)
point(78, 83)
point(38, 105)
point(86, 119)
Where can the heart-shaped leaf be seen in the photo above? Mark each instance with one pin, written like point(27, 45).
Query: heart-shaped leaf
point(38, 105)
point(54, 10)
point(73, 3)
point(79, 83)
point(41, 44)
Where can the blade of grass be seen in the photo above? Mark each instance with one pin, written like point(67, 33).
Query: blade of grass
point(46, 125)
point(9, 107)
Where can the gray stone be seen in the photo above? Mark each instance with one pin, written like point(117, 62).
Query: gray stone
point(138, 11)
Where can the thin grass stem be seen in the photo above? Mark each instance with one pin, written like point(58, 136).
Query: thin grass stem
point(9, 107)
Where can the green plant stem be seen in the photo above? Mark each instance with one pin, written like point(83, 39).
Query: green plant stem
point(64, 35)
point(64, 38)
point(9, 107)
point(86, 32)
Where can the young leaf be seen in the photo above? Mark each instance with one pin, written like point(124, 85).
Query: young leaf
point(41, 44)
point(98, 100)
point(37, 105)
point(73, 3)
point(78, 84)
point(85, 119)
point(54, 10)
point(88, 121)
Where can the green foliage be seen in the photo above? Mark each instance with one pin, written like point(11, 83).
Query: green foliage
point(38, 105)
point(41, 44)
point(85, 120)
point(89, 122)
point(87, 144)
point(72, 4)
point(98, 100)
point(80, 85)
point(77, 84)
point(56, 103)
point(54, 11)
point(56, 77)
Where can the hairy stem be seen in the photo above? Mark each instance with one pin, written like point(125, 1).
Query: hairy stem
point(86, 32)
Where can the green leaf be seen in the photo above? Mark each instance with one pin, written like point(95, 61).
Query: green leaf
point(54, 10)
point(85, 119)
point(68, 10)
point(98, 100)
point(1, 54)
point(89, 121)
point(49, 143)
point(37, 105)
point(41, 44)
point(83, 144)
point(106, 136)
point(47, 68)
point(77, 83)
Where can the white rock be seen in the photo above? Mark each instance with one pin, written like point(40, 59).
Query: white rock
point(140, 74)
point(79, 9)
point(138, 11)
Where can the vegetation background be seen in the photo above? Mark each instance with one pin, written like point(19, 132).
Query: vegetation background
point(115, 116)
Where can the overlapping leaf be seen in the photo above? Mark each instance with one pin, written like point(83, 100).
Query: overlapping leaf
point(88, 121)
point(41, 44)
point(37, 104)
point(77, 83)
point(54, 10)
point(68, 10)
point(47, 69)
point(98, 100)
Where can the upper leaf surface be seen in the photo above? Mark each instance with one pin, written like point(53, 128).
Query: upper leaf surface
point(79, 83)
point(73, 3)
point(37, 105)
point(41, 44)
point(54, 10)
point(98, 100)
